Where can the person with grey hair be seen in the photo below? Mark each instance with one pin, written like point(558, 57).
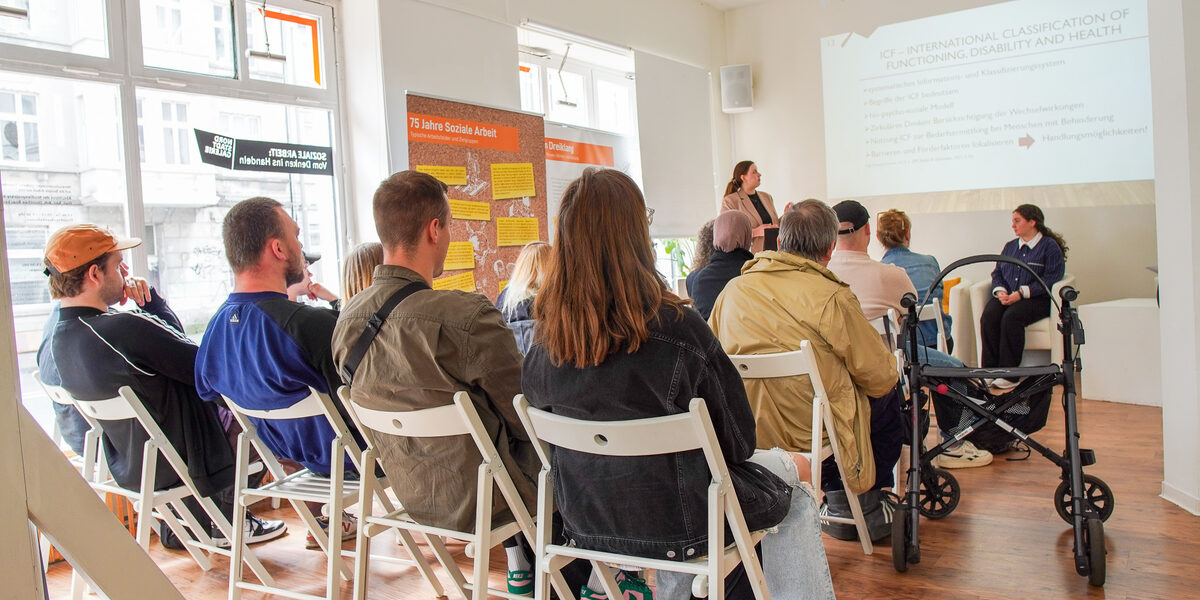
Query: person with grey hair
point(785, 297)
point(731, 249)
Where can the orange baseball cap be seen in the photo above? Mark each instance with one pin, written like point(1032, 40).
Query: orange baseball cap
point(76, 245)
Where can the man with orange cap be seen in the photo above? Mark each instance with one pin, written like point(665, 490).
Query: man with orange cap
point(98, 350)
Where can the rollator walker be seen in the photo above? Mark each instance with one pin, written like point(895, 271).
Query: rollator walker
point(1084, 501)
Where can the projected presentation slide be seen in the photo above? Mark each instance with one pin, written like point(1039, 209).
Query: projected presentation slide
point(1024, 93)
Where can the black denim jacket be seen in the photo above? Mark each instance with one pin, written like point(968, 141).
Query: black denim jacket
point(653, 506)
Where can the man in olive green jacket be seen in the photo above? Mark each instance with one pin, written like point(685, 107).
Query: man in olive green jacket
point(783, 298)
point(433, 344)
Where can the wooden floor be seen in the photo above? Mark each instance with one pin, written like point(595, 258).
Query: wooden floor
point(1004, 541)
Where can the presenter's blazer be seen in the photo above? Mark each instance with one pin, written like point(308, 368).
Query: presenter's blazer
point(740, 200)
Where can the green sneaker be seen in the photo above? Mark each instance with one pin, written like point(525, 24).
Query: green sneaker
point(586, 593)
point(520, 583)
point(634, 587)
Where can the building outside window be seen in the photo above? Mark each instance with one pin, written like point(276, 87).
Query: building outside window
point(68, 112)
point(19, 127)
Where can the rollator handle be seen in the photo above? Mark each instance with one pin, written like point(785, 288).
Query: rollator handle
point(1068, 294)
point(909, 299)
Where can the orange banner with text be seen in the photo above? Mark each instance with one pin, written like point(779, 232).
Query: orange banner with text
point(457, 132)
point(579, 152)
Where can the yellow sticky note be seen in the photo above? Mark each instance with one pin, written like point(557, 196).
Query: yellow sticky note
point(470, 211)
point(516, 231)
point(461, 255)
point(447, 174)
point(503, 284)
point(512, 180)
point(462, 281)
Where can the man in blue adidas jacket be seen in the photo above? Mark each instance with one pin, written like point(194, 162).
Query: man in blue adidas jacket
point(264, 351)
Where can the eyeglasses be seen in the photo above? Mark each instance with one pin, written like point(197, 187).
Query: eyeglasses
point(649, 216)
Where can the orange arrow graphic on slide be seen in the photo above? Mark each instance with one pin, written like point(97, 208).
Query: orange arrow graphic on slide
point(1025, 142)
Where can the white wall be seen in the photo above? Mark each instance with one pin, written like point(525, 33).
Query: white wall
point(467, 50)
point(785, 136)
point(1175, 64)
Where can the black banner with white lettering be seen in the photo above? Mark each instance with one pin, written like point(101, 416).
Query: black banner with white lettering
point(253, 155)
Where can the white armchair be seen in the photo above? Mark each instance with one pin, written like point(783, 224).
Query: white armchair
point(1041, 335)
point(964, 324)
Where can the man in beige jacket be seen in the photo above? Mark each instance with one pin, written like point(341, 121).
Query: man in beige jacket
point(433, 344)
point(783, 298)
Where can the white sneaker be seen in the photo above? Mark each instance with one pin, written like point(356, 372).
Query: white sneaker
point(963, 457)
point(349, 529)
point(257, 530)
point(1004, 384)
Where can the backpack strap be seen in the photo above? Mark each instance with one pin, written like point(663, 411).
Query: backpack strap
point(374, 324)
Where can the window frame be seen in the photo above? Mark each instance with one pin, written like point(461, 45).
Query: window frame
point(591, 73)
point(124, 67)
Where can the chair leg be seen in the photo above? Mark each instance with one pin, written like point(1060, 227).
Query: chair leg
point(483, 526)
point(235, 533)
point(337, 477)
point(362, 545)
point(860, 523)
point(170, 522)
point(438, 545)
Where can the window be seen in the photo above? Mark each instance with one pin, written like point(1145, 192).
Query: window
point(285, 45)
point(66, 149)
point(530, 77)
point(74, 26)
point(19, 127)
point(577, 82)
point(203, 46)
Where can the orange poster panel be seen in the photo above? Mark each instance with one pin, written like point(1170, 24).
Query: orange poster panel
point(579, 152)
point(457, 132)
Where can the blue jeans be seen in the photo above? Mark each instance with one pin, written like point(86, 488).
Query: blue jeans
point(793, 558)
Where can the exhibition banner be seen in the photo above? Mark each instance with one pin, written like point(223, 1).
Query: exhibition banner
point(494, 163)
point(254, 155)
point(570, 150)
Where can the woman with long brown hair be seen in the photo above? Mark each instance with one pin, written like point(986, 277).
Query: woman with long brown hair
point(742, 194)
point(613, 343)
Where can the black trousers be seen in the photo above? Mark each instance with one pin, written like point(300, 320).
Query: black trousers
point(1002, 329)
point(887, 436)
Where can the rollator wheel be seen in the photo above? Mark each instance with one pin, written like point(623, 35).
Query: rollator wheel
point(1095, 492)
point(1094, 538)
point(901, 538)
point(939, 493)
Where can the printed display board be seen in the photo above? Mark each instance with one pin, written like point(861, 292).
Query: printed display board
point(494, 162)
point(570, 150)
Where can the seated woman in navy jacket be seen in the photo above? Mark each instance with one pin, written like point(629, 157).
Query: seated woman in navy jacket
point(1017, 298)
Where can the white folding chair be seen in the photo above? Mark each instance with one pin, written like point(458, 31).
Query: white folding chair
point(334, 491)
point(644, 437)
point(57, 395)
point(164, 505)
point(794, 364)
point(459, 418)
point(888, 326)
point(933, 312)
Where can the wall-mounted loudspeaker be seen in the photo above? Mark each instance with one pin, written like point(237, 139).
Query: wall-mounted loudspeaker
point(737, 89)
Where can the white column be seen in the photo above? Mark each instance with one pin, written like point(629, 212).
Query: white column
point(1175, 70)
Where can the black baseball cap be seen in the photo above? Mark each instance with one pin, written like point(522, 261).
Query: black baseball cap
point(850, 211)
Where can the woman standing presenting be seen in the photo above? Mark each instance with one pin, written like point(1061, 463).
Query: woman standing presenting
point(741, 194)
point(1017, 298)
